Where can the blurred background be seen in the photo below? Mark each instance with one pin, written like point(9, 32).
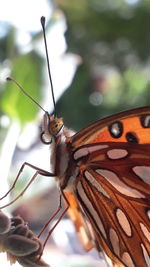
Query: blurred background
point(100, 62)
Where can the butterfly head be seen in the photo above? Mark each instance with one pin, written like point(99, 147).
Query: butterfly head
point(51, 128)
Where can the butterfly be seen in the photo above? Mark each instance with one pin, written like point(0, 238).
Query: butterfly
point(103, 173)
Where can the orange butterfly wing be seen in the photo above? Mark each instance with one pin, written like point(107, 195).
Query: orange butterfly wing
point(113, 184)
point(136, 120)
point(81, 224)
point(116, 202)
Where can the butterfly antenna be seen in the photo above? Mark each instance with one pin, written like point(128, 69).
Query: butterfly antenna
point(48, 65)
point(19, 86)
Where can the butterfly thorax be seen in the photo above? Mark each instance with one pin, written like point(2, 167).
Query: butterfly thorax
point(65, 168)
point(59, 138)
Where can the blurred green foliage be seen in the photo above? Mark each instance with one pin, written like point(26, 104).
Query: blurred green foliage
point(14, 103)
point(113, 40)
point(27, 70)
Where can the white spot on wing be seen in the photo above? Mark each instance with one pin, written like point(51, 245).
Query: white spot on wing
point(143, 172)
point(117, 153)
point(96, 184)
point(84, 151)
point(91, 210)
point(146, 256)
point(71, 181)
point(145, 231)
point(147, 121)
point(114, 241)
point(123, 221)
point(113, 179)
point(115, 129)
point(127, 260)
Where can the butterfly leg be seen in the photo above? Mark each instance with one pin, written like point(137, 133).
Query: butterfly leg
point(38, 172)
point(57, 222)
point(49, 221)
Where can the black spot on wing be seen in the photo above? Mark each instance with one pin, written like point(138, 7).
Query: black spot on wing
point(116, 129)
point(132, 138)
point(145, 121)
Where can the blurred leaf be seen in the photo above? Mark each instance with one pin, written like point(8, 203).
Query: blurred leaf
point(27, 70)
point(113, 40)
point(72, 104)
